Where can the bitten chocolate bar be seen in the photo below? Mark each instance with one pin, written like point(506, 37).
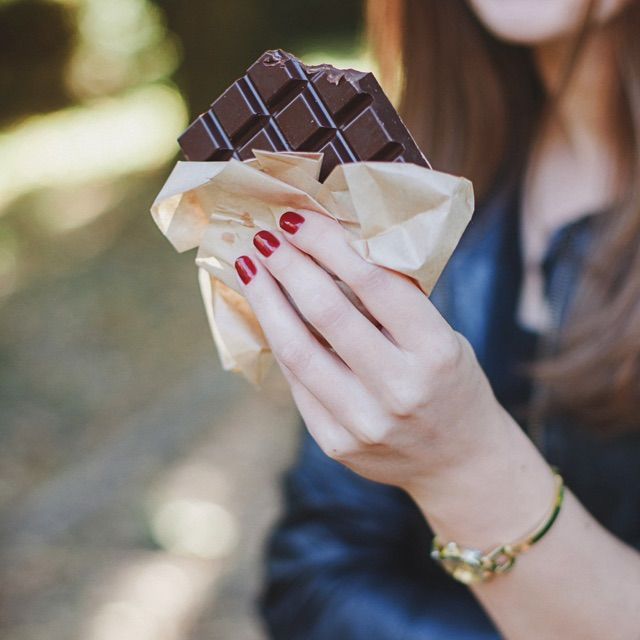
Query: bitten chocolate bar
point(280, 104)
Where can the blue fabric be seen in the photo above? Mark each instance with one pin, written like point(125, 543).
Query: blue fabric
point(349, 560)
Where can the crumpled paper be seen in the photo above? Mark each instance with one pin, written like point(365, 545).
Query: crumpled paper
point(398, 215)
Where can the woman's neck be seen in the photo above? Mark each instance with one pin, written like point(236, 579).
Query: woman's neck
point(574, 167)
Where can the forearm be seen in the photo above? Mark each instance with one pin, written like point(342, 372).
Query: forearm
point(579, 581)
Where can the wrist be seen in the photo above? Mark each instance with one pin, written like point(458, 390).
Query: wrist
point(495, 496)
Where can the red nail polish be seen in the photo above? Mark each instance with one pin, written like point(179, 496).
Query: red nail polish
point(291, 221)
point(265, 242)
point(245, 268)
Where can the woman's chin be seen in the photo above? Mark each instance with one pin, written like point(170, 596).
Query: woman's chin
point(533, 22)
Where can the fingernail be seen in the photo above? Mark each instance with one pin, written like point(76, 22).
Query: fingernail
point(265, 242)
point(245, 268)
point(291, 221)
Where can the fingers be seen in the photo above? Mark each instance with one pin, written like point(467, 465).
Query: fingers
point(323, 374)
point(332, 438)
point(354, 338)
point(394, 300)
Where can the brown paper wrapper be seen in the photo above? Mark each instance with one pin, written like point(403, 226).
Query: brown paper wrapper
point(398, 215)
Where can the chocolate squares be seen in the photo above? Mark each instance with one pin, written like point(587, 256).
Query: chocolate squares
point(281, 104)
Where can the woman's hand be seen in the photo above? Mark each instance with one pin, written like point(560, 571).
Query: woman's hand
point(408, 405)
point(398, 405)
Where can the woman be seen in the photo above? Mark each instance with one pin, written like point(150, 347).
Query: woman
point(527, 355)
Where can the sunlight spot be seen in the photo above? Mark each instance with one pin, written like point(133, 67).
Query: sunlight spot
point(105, 139)
point(152, 598)
point(195, 528)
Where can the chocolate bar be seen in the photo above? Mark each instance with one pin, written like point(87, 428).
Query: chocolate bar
point(280, 104)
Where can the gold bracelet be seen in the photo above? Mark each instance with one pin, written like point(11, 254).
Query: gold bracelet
point(471, 565)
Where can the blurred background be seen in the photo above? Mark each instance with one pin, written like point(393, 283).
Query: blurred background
point(137, 480)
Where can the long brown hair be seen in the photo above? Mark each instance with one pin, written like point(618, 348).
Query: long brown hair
point(475, 104)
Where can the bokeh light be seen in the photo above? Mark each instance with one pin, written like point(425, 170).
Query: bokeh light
point(195, 528)
point(105, 139)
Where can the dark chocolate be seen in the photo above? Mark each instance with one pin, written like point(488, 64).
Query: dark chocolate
point(281, 104)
